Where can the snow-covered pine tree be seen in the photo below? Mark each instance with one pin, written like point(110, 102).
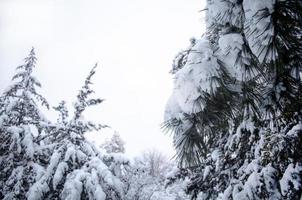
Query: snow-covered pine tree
point(21, 122)
point(236, 108)
point(76, 169)
point(114, 156)
point(115, 145)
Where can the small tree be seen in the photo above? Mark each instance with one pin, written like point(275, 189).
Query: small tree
point(146, 175)
point(154, 161)
point(152, 176)
point(114, 145)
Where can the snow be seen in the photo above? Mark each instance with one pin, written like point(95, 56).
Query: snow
point(14, 180)
point(172, 172)
point(259, 29)
point(206, 172)
point(231, 45)
point(38, 170)
point(59, 174)
point(27, 142)
point(231, 41)
point(88, 178)
point(224, 12)
point(36, 191)
point(80, 155)
point(95, 191)
point(251, 167)
point(118, 158)
point(247, 125)
point(17, 172)
point(202, 196)
point(291, 176)
point(108, 177)
point(193, 79)
point(83, 170)
point(14, 129)
point(296, 129)
point(250, 187)
point(181, 58)
point(227, 194)
point(73, 186)
point(70, 153)
point(88, 148)
point(15, 137)
point(12, 103)
point(35, 81)
point(3, 118)
point(253, 6)
point(270, 182)
point(173, 110)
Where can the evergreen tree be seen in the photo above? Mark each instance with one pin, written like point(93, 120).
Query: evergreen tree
point(115, 158)
point(114, 145)
point(76, 169)
point(21, 122)
point(236, 108)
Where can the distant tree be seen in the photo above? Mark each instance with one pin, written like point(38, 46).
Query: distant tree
point(146, 175)
point(154, 161)
point(21, 122)
point(115, 158)
point(114, 145)
point(153, 176)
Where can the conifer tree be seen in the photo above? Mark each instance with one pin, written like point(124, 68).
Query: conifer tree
point(236, 108)
point(76, 169)
point(21, 121)
point(114, 145)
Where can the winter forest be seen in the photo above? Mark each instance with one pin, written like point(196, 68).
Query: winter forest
point(234, 115)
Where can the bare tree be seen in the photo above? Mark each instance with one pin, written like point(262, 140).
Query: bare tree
point(155, 162)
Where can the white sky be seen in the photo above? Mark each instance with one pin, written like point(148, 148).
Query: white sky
point(134, 42)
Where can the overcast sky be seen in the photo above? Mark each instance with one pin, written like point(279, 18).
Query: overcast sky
point(134, 42)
